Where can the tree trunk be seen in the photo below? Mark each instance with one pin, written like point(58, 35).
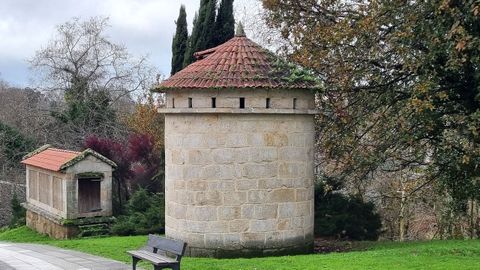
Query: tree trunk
point(472, 219)
point(402, 217)
point(119, 193)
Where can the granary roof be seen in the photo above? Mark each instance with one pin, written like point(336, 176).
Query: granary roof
point(238, 63)
point(54, 159)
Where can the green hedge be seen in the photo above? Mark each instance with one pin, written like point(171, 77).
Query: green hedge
point(145, 214)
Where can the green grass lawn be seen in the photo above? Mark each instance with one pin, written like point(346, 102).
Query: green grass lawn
point(451, 254)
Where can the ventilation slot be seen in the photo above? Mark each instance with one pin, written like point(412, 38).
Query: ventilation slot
point(242, 103)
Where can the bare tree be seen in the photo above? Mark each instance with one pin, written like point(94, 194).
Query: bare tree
point(253, 17)
point(27, 110)
point(81, 53)
point(91, 78)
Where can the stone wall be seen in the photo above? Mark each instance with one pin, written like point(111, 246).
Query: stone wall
point(41, 223)
point(7, 188)
point(240, 184)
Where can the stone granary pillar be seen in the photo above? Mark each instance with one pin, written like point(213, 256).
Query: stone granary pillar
point(239, 143)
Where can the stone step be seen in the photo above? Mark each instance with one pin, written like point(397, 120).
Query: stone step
point(94, 230)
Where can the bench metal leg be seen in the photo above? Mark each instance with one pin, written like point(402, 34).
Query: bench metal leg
point(134, 263)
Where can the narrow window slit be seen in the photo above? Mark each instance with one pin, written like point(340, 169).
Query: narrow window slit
point(173, 102)
point(267, 105)
point(295, 103)
point(242, 103)
point(214, 102)
point(190, 105)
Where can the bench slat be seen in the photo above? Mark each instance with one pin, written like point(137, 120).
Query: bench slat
point(152, 257)
point(172, 246)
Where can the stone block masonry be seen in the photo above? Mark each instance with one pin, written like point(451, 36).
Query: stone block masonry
point(240, 184)
point(7, 189)
point(44, 225)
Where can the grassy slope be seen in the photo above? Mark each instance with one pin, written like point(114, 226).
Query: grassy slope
point(387, 255)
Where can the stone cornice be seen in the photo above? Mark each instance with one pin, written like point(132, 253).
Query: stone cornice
point(234, 111)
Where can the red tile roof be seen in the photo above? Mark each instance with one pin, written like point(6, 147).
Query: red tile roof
point(54, 159)
point(238, 63)
point(51, 158)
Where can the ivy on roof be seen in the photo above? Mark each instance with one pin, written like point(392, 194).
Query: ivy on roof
point(292, 73)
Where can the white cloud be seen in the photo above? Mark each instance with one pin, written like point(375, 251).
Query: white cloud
point(145, 27)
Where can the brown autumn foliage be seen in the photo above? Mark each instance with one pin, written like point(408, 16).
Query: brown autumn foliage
point(145, 119)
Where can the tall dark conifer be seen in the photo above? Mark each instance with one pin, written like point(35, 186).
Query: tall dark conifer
point(180, 41)
point(188, 59)
point(225, 23)
point(203, 30)
point(209, 26)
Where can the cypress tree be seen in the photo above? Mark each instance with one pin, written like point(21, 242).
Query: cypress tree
point(203, 30)
point(180, 41)
point(225, 23)
point(188, 59)
point(209, 26)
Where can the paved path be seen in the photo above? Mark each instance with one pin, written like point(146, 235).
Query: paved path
point(42, 257)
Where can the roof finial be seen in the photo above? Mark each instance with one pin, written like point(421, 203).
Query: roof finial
point(240, 31)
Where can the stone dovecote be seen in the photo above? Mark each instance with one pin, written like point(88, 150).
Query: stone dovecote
point(239, 143)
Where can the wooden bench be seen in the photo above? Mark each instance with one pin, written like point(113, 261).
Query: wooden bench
point(161, 252)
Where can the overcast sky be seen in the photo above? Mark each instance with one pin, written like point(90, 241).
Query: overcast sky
point(145, 27)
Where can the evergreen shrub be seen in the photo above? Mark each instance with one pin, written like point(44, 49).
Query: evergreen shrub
point(18, 212)
point(145, 214)
point(344, 217)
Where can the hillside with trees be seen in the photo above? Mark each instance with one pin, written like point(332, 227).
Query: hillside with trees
point(399, 121)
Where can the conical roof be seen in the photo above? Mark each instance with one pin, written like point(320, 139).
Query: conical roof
point(238, 63)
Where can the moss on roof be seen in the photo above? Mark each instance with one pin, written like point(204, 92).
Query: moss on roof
point(85, 153)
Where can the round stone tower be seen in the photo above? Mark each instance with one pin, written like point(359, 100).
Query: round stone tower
point(239, 140)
